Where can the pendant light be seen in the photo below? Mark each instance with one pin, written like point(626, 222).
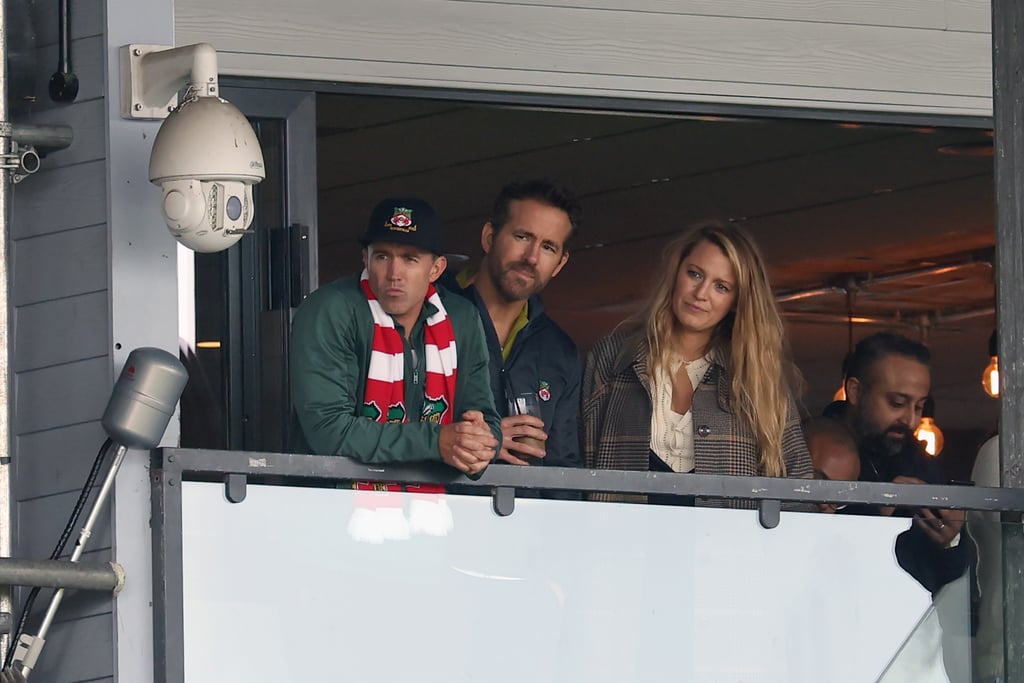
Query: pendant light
point(928, 433)
point(840, 394)
point(990, 376)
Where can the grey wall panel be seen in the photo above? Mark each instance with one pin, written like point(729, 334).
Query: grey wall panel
point(905, 13)
point(86, 21)
point(60, 199)
point(55, 460)
point(861, 56)
point(80, 650)
point(87, 56)
point(82, 318)
point(969, 15)
point(59, 265)
point(48, 515)
point(61, 331)
point(61, 395)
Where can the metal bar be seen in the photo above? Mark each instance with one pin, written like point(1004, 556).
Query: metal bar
point(168, 578)
point(1008, 109)
point(964, 315)
point(6, 407)
point(603, 105)
point(83, 537)
point(208, 465)
point(60, 574)
point(864, 284)
point(46, 138)
point(809, 294)
point(838, 318)
point(921, 272)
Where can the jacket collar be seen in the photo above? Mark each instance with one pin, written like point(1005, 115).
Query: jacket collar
point(633, 354)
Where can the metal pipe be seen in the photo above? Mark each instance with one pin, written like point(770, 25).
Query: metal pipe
point(922, 272)
point(6, 409)
point(965, 315)
point(108, 576)
point(809, 294)
point(863, 284)
point(64, 83)
point(101, 498)
point(836, 318)
point(47, 138)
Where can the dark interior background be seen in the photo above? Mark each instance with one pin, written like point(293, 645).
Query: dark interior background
point(902, 217)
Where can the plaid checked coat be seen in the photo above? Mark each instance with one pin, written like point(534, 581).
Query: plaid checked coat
point(615, 418)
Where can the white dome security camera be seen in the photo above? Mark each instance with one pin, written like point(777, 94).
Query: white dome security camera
point(207, 158)
point(205, 155)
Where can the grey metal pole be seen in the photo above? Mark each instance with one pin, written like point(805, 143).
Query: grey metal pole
point(107, 576)
point(47, 138)
point(36, 646)
point(6, 409)
point(1008, 110)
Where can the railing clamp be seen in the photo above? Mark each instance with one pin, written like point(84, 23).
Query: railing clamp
point(503, 499)
point(769, 513)
point(235, 487)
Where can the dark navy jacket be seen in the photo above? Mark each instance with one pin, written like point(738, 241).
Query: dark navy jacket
point(543, 359)
point(933, 566)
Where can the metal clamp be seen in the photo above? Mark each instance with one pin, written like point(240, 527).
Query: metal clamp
point(503, 499)
point(769, 513)
point(235, 487)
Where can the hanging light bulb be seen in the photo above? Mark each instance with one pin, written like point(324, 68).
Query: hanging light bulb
point(840, 394)
point(928, 433)
point(990, 376)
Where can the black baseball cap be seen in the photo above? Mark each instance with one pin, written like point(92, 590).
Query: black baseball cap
point(405, 220)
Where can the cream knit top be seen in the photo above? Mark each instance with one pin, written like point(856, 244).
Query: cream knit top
point(672, 433)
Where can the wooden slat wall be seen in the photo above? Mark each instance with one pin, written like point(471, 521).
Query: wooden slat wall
point(61, 364)
point(926, 56)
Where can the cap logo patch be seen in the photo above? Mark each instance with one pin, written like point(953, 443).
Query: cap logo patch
point(401, 220)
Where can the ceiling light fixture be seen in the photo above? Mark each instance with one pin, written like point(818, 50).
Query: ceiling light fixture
point(840, 395)
point(928, 433)
point(990, 376)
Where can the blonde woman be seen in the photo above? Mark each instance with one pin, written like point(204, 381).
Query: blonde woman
point(697, 382)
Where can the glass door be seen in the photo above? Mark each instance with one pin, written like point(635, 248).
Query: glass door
point(234, 336)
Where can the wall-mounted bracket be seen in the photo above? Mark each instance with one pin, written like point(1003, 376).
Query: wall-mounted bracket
point(152, 75)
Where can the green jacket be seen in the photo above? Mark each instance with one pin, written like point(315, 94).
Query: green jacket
point(332, 335)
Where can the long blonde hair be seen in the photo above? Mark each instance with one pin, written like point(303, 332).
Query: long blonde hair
point(749, 340)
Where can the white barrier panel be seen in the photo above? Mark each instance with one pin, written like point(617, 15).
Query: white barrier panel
point(305, 584)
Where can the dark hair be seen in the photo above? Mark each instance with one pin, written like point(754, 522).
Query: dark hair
point(872, 349)
point(541, 190)
point(830, 428)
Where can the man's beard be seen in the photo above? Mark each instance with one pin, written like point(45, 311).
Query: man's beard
point(504, 278)
point(890, 442)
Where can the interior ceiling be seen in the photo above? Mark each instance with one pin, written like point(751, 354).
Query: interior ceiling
point(884, 212)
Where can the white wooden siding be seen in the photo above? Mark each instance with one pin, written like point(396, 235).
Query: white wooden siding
point(928, 56)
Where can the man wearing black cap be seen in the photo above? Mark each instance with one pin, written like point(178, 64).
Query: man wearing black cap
point(387, 368)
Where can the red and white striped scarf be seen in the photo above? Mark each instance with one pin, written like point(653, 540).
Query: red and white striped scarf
point(384, 398)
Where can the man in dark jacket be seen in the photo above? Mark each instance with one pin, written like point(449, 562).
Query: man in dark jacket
point(525, 246)
point(887, 384)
